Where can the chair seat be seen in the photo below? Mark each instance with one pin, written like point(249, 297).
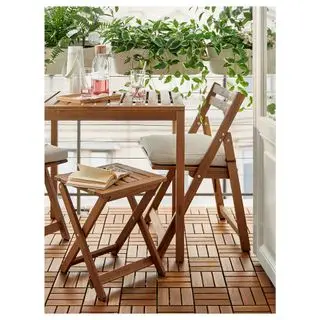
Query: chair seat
point(161, 149)
point(54, 154)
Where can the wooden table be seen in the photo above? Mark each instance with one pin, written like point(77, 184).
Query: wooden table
point(158, 107)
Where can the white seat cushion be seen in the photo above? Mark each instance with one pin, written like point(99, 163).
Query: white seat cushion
point(53, 153)
point(161, 149)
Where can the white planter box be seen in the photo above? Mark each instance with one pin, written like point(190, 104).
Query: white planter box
point(61, 60)
point(124, 68)
point(217, 61)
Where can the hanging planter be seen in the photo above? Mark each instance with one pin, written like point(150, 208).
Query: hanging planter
point(127, 60)
point(60, 61)
point(217, 61)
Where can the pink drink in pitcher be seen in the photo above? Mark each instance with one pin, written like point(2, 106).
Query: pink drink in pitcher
point(100, 86)
point(100, 71)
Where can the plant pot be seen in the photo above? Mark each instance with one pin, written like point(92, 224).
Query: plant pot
point(124, 68)
point(61, 60)
point(217, 61)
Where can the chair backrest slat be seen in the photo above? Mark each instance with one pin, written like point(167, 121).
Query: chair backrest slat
point(217, 89)
point(229, 103)
point(223, 105)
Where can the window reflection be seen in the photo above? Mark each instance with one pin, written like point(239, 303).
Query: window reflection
point(271, 62)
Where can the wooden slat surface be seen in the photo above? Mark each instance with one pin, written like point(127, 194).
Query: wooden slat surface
point(137, 179)
point(123, 109)
point(215, 277)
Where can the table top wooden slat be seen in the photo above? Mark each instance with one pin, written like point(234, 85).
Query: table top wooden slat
point(124, 109)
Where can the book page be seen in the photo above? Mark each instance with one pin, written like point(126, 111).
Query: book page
point(91, 174)
point(95, 178)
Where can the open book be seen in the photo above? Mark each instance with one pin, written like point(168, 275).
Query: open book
point(94, 178)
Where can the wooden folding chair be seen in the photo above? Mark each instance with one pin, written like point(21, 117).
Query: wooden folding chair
point(138, 181)
point(205, 157)
point(53, 157)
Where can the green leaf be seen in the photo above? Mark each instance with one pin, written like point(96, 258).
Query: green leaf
point(160, 65)
point(231, 73)
point(168, 79)
point(175, 44)
point(197, 80)
point(185, 76)
point(200, 15)
point(175, 61)
point(175, 89)
point(116, 9)
point(177, 74)
point(271, 108)
point(175, 23)
point(127, 60)
point(138, 21)
point(182, 81)
point(244, 92)
point(210, 21)
point(146, 82)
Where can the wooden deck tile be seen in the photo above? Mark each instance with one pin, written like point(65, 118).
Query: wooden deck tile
point(216, 276)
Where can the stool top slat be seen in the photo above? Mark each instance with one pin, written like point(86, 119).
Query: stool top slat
point(137, 181)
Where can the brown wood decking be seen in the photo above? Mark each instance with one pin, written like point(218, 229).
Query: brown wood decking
point(216, 277)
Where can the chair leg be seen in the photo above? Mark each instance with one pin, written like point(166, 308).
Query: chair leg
point(218, 196)
point(160, 194)
point(171, 230)
point(55, 207)
point(51, 211)
point(238, 206)
point(173, 198)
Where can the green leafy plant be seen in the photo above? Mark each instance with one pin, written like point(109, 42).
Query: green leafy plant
point(66, 26)
point(167, 43)
point(230, 29)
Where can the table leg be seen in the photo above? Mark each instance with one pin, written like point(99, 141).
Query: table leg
point(78, 161)
point(54, 169)
point(179, 187)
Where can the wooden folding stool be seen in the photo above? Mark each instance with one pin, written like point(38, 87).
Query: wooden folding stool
point(137, 182)
point(215, 161)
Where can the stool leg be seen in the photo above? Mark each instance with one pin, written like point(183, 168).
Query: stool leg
point(92, 218)
point(55, 212)
point(136, 214)
point(160, 194)
point(152, 248)
point(81, 239)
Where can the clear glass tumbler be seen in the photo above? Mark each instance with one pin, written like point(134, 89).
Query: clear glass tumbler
point(86, 83)
point(138, 90)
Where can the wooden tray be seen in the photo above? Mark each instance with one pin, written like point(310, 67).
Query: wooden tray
point(76, 98)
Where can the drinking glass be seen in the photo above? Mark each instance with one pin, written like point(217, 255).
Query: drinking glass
point(138, 91)
point(86, 83)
